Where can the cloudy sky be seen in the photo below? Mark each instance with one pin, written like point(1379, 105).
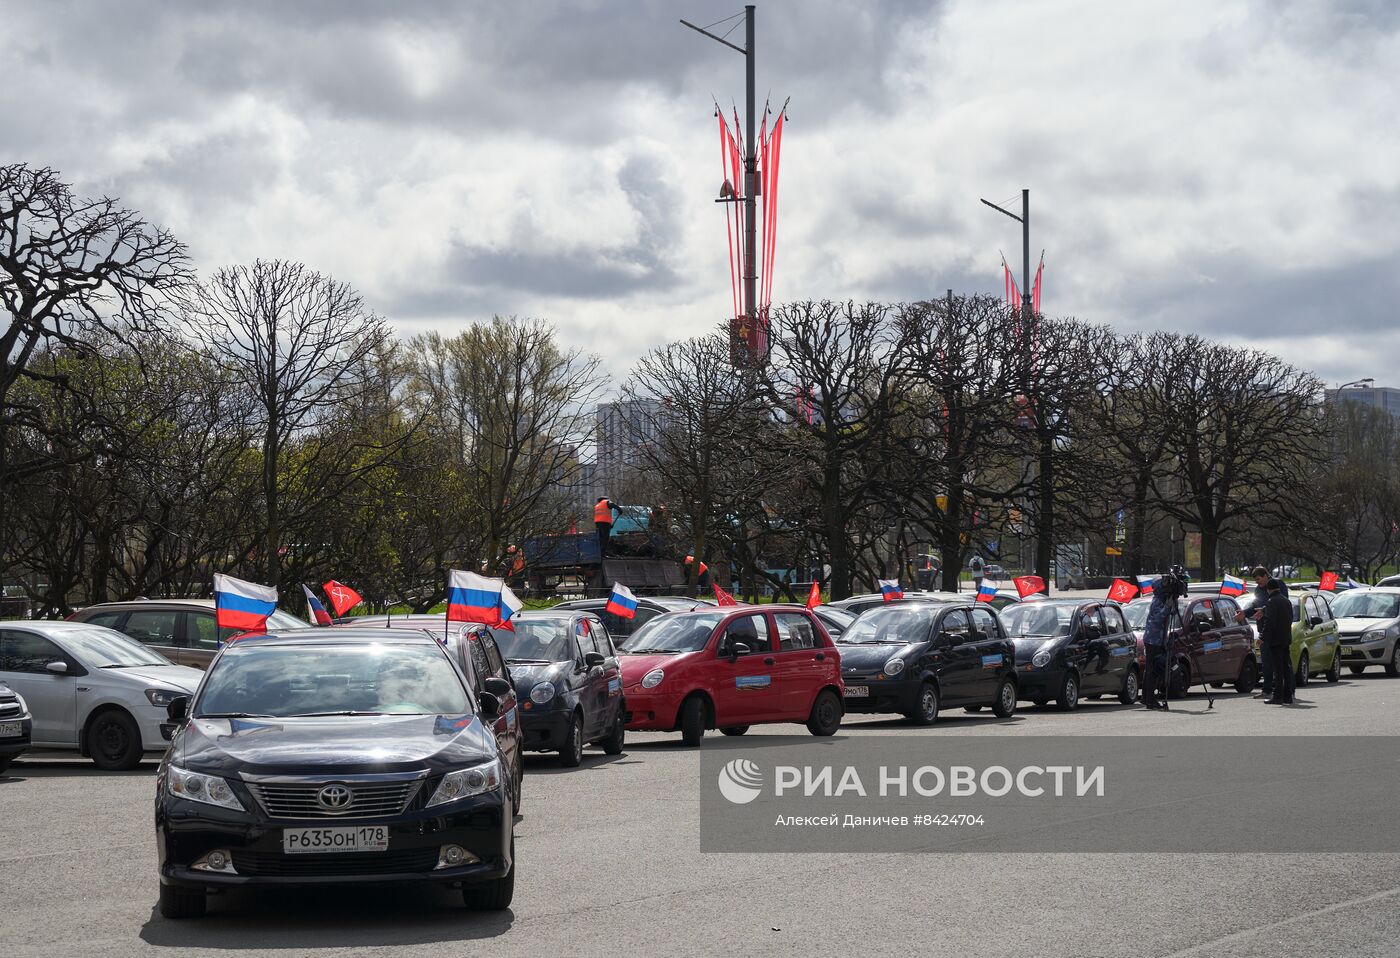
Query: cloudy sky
point(1218, 166)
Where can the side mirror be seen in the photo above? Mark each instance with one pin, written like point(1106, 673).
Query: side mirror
point(490, 706)
point(591, 660)
point(178, 709)
point(58, 667)
point(496, 686)
point(737, 649)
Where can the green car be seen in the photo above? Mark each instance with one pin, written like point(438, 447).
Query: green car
point(1313, 650)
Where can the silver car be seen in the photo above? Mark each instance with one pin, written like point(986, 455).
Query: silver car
point(182, 630)
point(1368, 620)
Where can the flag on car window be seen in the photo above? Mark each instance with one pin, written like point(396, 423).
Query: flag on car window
point(241, 605)
point(814, 597)
point(473, 598)
point(508, 606)
point(343, 598)
point(986, 592)
point(1352, 583)
point(1146, 583)
point(1122, 590)
point(316, 613)
point(622, 603)
point(722, 597)
point(889, 588)
point(1229, 585)
point(1028, 585)
point(1327, 582)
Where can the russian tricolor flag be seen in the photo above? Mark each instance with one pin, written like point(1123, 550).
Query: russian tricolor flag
point(508, 606)
point(1146, 583)
point(315, 612)
point(622, 603)
point(473, 598)
point(1229, 585)
point(889, 588)
point(241, 605)
point(986, 592)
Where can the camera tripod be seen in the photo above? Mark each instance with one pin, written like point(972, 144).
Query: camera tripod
point(1174, 626)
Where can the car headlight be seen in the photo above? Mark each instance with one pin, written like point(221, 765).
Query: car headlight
point(542, 693)
point(894, 666)
point(1375, 635)
point(197, 787)
point(1041, 659)
point(653, 678)
point(468, 782)
point(162, 697)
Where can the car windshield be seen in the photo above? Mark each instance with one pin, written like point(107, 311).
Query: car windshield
point(268, 679)
point(279, 620)
point(1136, 614)
point(1038, 619)
point(897, 625)
point(1366, 605)
point(831, 615)
point(107, 649)
point(536, 640)
point(679, 632)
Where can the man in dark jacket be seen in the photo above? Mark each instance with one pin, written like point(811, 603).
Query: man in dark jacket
point(1275, 633)
point(1256, 613)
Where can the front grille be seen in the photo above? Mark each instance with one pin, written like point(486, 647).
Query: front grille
point(10, 710)
point(370, 798)
point(345, 863)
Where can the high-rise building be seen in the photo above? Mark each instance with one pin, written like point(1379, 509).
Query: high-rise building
point(1381, 397)
point(623, 427)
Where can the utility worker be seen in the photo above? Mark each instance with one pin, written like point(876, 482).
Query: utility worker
point(699, 576)
point(603, 522)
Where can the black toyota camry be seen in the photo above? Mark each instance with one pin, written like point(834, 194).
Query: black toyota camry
point(320, 757)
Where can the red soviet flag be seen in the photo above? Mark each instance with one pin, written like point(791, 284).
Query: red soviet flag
point(1028, 585)
point(343, 598)
point(1328, 582)
point(722, 597)
point(1122, 590)
point(814, 598)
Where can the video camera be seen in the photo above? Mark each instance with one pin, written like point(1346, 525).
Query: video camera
point(1172, 584)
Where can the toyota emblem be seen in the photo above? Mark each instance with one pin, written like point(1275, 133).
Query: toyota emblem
point(335, 797)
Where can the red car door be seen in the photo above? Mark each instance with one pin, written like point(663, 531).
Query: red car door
point(742, 672)
point(803, 663)
point(1206, 646)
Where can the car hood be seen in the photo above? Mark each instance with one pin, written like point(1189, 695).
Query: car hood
point(1027, 646)
point(343, 744)
point(527, 676)
point(636, 666)
point(180, 677)
point(1351, 626)
point(868, 658)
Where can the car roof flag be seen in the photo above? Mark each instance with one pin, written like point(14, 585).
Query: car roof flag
point(241, 605)
point(343, 598)
point(1146, 583)
point(986, 592)
point(622, 603)
point(722, 597)
point(1327, 582)
point(890, 589)
point(814, 597)
point(316, 613)
point(473, 598)
point(1230, 585)
point(509, 605)
point(1028, 585)
point(1121, 590)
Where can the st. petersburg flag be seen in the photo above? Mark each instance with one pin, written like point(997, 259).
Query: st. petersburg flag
point(1229, 585)
point(241, 605)
point(986, 592)
point(622, 603)
point(316, 613)
point(473, 598)
point(889, 588)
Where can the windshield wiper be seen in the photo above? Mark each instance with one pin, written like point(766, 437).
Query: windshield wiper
point(341, 712)
point(204, 715)
point(527, 661)
point(129, 665)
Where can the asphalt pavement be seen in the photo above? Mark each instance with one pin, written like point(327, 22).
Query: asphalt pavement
point(609, 863)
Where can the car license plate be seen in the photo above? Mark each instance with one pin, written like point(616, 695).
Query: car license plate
point(11, 729)
point(1350, 653)
point(857, 691)
point(349, 838)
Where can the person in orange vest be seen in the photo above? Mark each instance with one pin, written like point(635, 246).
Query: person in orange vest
point(603, 522)
point(700, 576)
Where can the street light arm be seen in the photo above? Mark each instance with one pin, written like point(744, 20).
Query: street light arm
point(717, 39)
point(1000, 210)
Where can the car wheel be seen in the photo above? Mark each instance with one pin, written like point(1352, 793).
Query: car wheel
point(1356, 669)
point(925, 706)
point(1249, 677)
point(493, 895)
point(179, 903)
point(1068, 699)
point(826, 714)
point(114, 741)
point(519, 776)
point(572, 753)
point(612, 745)
point(1131, 688)
point(693, 720)
point(1393, 666)
point(1005, 704)
point(1300, 678)
point(734, 729)
point(1334, 671)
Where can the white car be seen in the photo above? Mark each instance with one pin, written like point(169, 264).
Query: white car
point(1368, 620)
point(92, 689)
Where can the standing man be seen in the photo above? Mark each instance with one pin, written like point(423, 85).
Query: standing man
point(975, 564)
point(603, 522)
point(1261, 598)
point(1154, 640)
point(1275, 634)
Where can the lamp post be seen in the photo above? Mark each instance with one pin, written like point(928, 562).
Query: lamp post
point(1025, 220)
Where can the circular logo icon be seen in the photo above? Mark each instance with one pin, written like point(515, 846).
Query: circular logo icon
point(740, 781)
point(335, 797)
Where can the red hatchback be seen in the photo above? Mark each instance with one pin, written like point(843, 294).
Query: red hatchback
point(729, 669)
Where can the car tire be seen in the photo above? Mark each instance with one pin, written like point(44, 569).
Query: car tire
point(519, 785)
point(1356, 669)
point(926, 705)
point(1334, 671)
point(1132, 688)
point(1300, 677)
point(114, 741)
point(177, 903)
point(825, 717)
point(571, 754)
point(1068, 699)
point(496, 894)
point(693, 720)
point(1005, 704)
point(1393, 666)
point(1248, 678)
point(734, 729)
point(617, 738)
